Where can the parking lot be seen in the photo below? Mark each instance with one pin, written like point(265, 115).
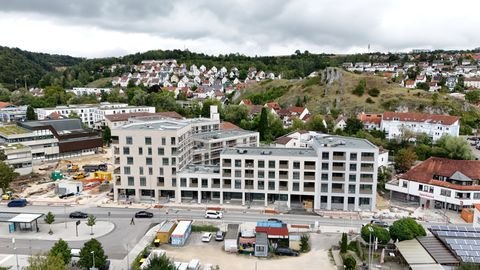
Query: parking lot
point(212, 253)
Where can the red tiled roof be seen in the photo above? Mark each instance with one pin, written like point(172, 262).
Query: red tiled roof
point(270, 231)
point(421, 117)
point(298, 110)
point(273, 105)
point(247, 102)
point(425, 172)
point(5, 104)
point(370, 118)
point(225, 125)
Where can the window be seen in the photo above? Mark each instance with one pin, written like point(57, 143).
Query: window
point(404, 184)
point(324, 166)
point(238, 184)
point(296, 165)
point(296, 175)
point(174, 182)
point(475, 195)
point(261, 174)
point(126, 150)
point(143, 181)
point(165, 161)
point(149, 151)
point(163, 141)
point(238, 173)
point(150, 170)
point(420, 187)
point(129, 140)
point(131, 181)
point(161, 151)
point(353, 156)
point(261, 185)
point(130, 160)
point(161, 171)
point(261, 164)
point(271, 185)
point(160, 181)
point(271, 174)
point(352, 177)
point(448, 193)
point(183, 182)
point(324, 188)
point(353, 167)
point(126, 170)
point(271, 164)
point(172, 140)
point(174, 150)
point(174, 161)
point(325, 155)
point(148, 140)
point(324, 176)
point(148, 161)
point(238, 163)
point(140, 150)
point(296, 187)
point(140, 169)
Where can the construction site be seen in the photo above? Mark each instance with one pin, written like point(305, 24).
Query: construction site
point(82, 180)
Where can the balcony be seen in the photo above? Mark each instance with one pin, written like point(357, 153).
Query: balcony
point(365, 191)
point(193, 185)
point(285, 176)
point(283, 166)
point(309, 177)
point(283, 188)
point(215, 185)
point(335, 157)
point(118, 182)
point(249, 164)
point(261, 187)
point(248, 186)
point(248, 175)
point(116, 170)
point(227, 164)
point(116, 151)
point(367, 169)
point(160, 184)
point(227, 174)
point(338, 168)
point(366, 179)
point(338, 178)
point(338, 190)
point(115, 141)
point(117, 161)
point(309, 167)
point(368, 158)
point(227, 185)
point(309, 189)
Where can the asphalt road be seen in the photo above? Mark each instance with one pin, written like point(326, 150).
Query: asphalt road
point(115, 243)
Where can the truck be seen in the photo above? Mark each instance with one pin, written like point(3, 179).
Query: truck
point(95, 167)
point(80, 175)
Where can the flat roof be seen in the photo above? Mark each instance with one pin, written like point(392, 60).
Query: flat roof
point(414, 253)
point(167, 226)
point(343, 142)
point(222, 134)
point(13, 129)
point(25, 218)
point(6, 216)
point(271, 151)
point(181, 227)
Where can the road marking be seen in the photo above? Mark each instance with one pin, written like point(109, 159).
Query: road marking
point(6, 259)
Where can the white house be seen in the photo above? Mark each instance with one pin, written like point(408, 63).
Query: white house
point(394, 124)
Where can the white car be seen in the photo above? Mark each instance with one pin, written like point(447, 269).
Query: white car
point(206, 237)
point(213, 214)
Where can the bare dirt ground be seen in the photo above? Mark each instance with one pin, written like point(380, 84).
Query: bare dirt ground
point(212, 253)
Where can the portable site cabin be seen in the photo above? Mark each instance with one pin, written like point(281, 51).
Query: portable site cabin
point(261, 245)
point(181, 233)
point(65, 187)
point(231, 238)
point(163, 234)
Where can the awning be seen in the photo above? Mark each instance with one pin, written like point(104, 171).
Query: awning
point(414, 253)
point(25, 218)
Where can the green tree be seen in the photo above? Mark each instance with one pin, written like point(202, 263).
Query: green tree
point(91, 221)
point(453, 147)
point(7, 175)
point(297, 124)
point(353, 125)
point(360, 88)
point(349, 262)
point(263, 125)
point(235, 113)
point(160, 262)
point(92, 249)
point(107, 136)
point(4, 94)
point(316, 123)
point(473, 96)
point(206, 106)
point(61, 248)
point(406, 229)
point(304, 243)
point(48, 262)
point(344, 243)
point(374, 92)
point(380, 233)
point(404, 159)
point(49, 219)
point(73, 114)
point(164, 101)
point(31, 115)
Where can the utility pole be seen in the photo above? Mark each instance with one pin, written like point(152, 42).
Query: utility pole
point(16, 79)
point(65, 214)
point(15, 252)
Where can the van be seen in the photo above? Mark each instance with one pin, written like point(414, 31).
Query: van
point(17, 203)
point(213, 214)
point(75, 252)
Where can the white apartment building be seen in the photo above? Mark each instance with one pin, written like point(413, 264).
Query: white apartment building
point(394, 124)
point(82, 91)
point(19, 157)
point(439, 183)
point(92, 115)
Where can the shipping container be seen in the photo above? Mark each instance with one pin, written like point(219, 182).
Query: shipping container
point(165, 231)
point(181, 233)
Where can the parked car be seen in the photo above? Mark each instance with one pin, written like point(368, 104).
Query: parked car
point(17, 203)
point(75, 252)
point(206, 237)
point(286, 252)
point(78, 214)
point(275, 219)
point(379, 223)
point(143, 214)
point(213, 214)
point(219, 236)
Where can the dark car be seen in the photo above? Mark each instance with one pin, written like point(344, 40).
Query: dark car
point(17, 203)
point(78, 214)
point(143, 214)
point(286, 252)
point(275, 219)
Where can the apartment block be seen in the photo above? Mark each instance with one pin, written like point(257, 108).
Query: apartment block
point(18, 156)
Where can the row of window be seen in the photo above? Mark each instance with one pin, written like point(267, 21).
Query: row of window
point(148, 140)
point(127, 170)
point(149, 161)
point(160, 151)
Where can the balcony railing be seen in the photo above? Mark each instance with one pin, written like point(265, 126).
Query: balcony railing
point(283, 166)
point(227, 174)
point(366, 179)
point(367, 169)
point(338, 168)
point(160, 184)
point(339, 157)
point(309, 177)
point(261, 187)
point(248, 186)
point(338, 178)
point(367, 158)
point(193, 185)
point(283, 176)
point(283, 188)
point(215, 185)
point(309, 167)
point(338, 190)
point(227, 185)
point(309, 189)
point(249, 175)
point(365, 191)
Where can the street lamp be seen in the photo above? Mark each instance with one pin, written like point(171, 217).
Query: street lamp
point(370, 251)
point(15, 252)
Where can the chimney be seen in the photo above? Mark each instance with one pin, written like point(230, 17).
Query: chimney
point(214, 113)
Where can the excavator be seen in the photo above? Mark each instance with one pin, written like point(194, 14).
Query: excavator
point(71, 167)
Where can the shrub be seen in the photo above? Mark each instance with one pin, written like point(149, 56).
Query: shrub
point(360, 88)
point(380, 233)
point(369, 101)
point(406, 229)
point(344, 243)
point(374, 92)
point(204, 228)
point(349, 262)
point(304, 243)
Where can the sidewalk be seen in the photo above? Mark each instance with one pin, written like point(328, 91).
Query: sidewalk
point(100, 229)
point(146, 240)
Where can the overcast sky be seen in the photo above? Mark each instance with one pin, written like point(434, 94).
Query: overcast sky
point(96, 28)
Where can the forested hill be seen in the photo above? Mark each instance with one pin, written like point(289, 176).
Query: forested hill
point(16, 63)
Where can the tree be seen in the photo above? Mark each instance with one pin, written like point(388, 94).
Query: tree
point(160, 262)
point(304, 243)
point(61, 248)
point(352, 126)
point(7, 175)
point(473, 96)
point(344, 243)
point(406, 229)
point(235, 113)
point(91, 249)
point(31, 115)
point(316, 123)
point(453, 147)
point(374, 92)
point(349, 262)
point(206, 106)
point(73, 114)
point(91, 222)
point(49, 262)
point(360, 88)
point(49, 219)
point(263, 125)
point(107, 136)
point(404, 159)
point(380, 233)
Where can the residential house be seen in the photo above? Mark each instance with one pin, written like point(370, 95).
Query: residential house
point(370, 121)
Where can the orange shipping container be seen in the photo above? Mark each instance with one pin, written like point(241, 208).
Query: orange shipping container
point(467, 215)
